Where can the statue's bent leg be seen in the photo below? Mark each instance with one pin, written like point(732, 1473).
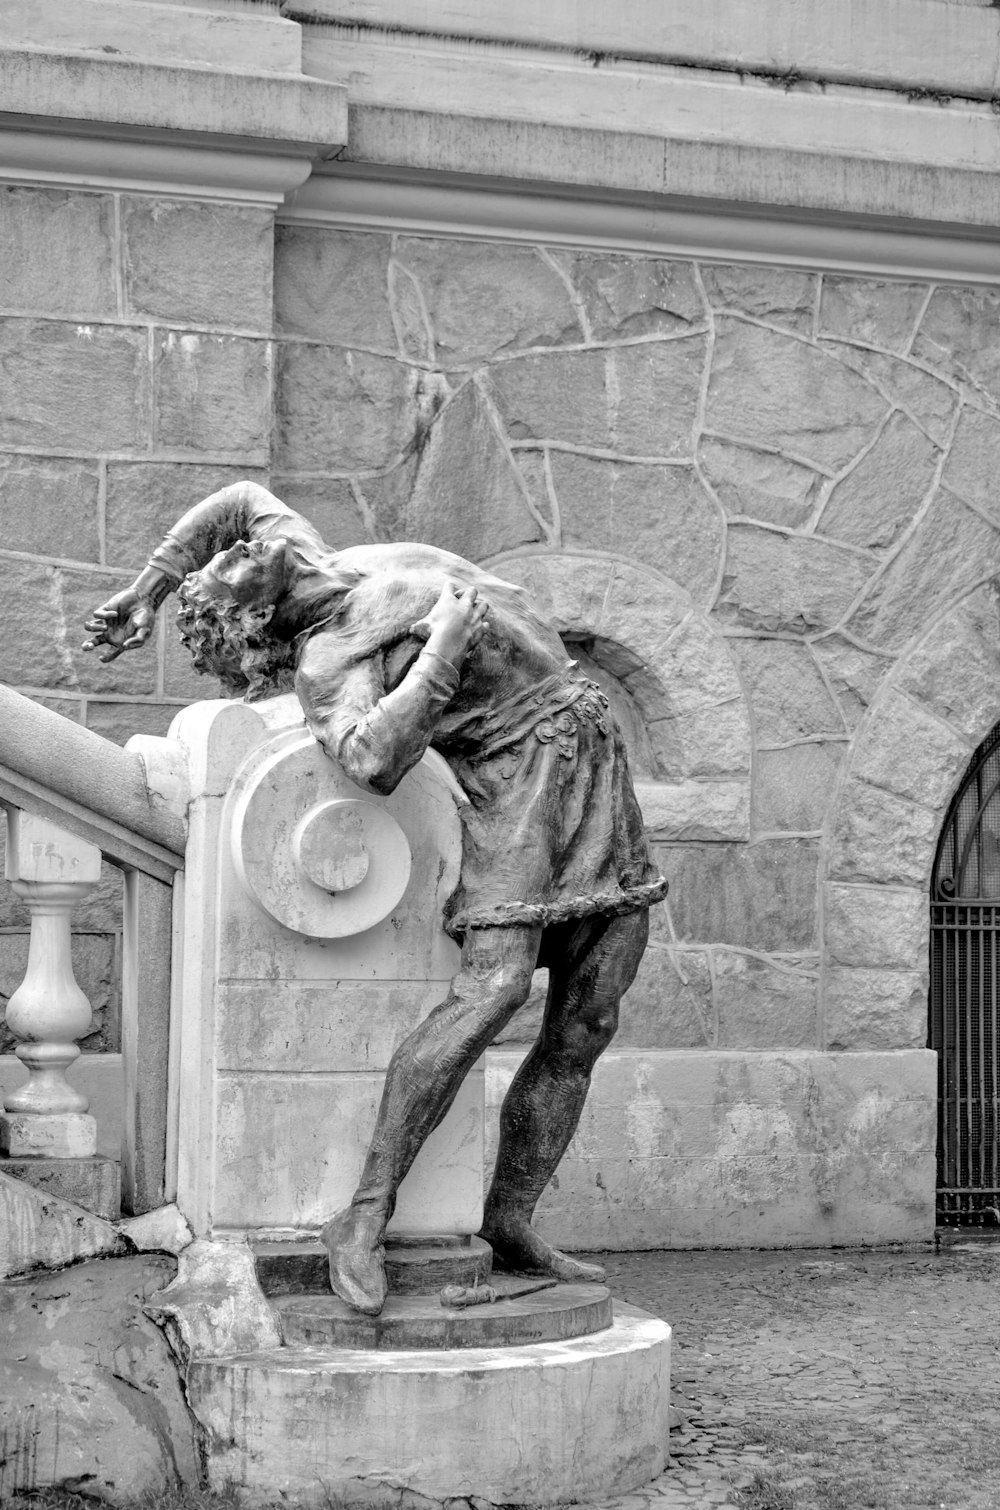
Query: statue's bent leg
point(591, 964)
point(421, 1083)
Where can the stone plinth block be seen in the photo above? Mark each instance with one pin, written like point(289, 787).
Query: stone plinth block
point(162, 1231)
point(421, 1321)
point(55, 1135)
point(39, 1231)
point(545, 1423)
point(93, 1183)
point(215, 1305)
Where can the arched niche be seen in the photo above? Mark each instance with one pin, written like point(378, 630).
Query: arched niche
point(670, 676)
point(908, 757)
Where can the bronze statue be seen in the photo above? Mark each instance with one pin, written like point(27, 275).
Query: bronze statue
point(392, 649)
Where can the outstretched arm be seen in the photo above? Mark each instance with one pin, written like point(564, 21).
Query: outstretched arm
point(244, 511)
point(374, 735)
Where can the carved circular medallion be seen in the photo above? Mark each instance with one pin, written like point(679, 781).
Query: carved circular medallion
point(324, 864)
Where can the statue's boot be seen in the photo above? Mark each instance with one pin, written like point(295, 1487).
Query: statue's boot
point(518, 1249)
point(353, 1239)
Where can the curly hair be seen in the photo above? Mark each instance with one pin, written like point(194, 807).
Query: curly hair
point(229, 640)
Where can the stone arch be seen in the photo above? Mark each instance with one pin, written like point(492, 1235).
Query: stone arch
point(644, 629)
point(909, 754)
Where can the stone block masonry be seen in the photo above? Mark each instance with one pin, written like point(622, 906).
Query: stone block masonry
point(135, 373)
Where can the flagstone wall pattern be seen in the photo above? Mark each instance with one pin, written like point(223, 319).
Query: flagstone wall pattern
point(799, 467)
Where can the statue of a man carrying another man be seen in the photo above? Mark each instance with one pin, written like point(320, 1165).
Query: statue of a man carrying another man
point(393, 649)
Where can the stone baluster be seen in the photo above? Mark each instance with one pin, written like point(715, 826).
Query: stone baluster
point(52, 871)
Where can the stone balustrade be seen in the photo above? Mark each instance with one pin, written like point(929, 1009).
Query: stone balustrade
point(52, 871)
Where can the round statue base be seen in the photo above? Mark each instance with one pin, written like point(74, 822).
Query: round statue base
point(421, 1321)
point(540, 1423)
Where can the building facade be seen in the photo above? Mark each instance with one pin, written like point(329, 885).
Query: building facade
point(691, 326)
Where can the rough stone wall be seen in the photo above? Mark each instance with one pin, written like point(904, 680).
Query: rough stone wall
point(135, 377)
point(811, 457)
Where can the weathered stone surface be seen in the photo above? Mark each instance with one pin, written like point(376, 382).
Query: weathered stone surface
point(880, 837)
point(487, 297)
point(955, 669)
point(880, 312)
point(704, 743)
point(90, 1397)
point(756, 896)
point(664, 514)
point(878, 926)
point(212, 393)
point(794, 787)
point(771, 388)
point(119, 721)
point(72, 386)
point(877, 501)
point(48, 1135)
point(331, 285)
point(557, 396)
point(582, 1419)
point(53, 658)
point(93, 1183)
point(787, 692)
point(950, 551)
point(145, 499)
point(691, 1150)
point(161, 1231)
point(653, 393)
point(410, 319)
point(214, 1306)
point(697, 667)
point(200, 263)
point(776, 294)
point(642, 608)
point(765, 1004)
point(330, 503)
point(467, 496)
point(571, 591)
point(974, 460)
point(875, 1009)
point(927, 399)
point(959, 336)
point(634, 296)
point(905, 750)
point(340, 410)
point(670, 1004)
point(56, 254)
point(759, 485)
point(854, 674)
point(696, 809)
point(40, 1231)
point(788, 582)
point(50, 507)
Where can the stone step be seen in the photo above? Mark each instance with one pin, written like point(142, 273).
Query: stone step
point(300, 1268)
point(94, 1183)
point(556, 1314)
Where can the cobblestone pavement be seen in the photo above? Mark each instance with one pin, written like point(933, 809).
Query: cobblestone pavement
point(826, 1380)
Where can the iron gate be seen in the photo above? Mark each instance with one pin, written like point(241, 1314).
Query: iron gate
point(965, 955)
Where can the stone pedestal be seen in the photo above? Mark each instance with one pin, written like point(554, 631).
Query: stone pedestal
point(541, 1423)
point(312, 945)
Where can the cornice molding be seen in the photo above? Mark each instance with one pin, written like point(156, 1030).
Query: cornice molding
point(351, 197)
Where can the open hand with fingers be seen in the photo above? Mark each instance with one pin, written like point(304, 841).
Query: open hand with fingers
point(455, 623)
point(126, 621)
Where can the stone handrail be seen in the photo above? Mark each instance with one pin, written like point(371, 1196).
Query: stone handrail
point(87, 785)
point(71, 798)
